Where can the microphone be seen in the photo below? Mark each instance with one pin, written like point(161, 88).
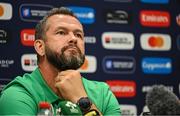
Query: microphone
point(68, 108)
point(161, 101)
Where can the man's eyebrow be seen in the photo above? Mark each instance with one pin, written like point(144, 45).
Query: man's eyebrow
point(64, 28)
point(79, 30)
point(60, 27)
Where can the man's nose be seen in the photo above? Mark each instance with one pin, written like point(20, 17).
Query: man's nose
point(72, 38)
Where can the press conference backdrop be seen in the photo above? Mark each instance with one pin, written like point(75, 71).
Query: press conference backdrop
point(130, 44)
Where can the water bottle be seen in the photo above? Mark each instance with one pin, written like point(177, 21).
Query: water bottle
point(45, 109)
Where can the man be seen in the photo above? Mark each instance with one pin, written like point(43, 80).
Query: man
point(59, 43)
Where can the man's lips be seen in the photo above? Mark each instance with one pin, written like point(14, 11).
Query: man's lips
point(73, 48)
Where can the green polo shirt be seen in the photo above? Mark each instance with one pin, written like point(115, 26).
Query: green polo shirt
point(23, 94)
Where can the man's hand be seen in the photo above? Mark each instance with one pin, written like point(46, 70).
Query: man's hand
point(70, 85)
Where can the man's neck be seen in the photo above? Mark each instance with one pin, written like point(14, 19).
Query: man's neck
point(49, 74)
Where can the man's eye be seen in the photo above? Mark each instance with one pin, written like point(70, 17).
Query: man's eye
point(79, 36)
point(61, 32)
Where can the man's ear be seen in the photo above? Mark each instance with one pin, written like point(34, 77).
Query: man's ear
point(39, 47)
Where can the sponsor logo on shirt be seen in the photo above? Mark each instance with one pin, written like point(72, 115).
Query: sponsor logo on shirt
point(152, 18)
point(28, 37)
point(119, 64)
point(29, 62)
point(85, 15)
point(4, 36)
point(90, 39)
point(117, 17)
point(118, 40)
point(33, 12)
point(5, 11)
point(156, 1)
point(156, 65)
point(155, 42)
point(89, 66)
point(178, 19)
point(122, 88)
point(128, 110)
point(6, 63)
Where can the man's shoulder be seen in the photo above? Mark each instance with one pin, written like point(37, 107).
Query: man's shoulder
point(19, 81)
point(17, 95)
point(27, 81)
point(25, 87)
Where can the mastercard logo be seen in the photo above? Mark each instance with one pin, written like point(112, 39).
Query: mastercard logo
point(5, 11)
point(1, 11)
point(90, 65)
point(85, 65)
point(156, 41)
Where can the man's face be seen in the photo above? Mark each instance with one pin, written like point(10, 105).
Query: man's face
point(64, 42)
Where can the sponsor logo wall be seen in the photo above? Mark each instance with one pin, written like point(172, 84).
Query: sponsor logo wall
point(130, 44)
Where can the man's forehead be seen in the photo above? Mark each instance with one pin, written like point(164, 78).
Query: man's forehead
point(61, 18)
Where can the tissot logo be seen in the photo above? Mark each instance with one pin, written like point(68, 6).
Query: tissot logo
point(28, 37)
point(89, 66)
point(156, 1)
point(33, 12)
point(119, 64)
point(117, 17)
point(5, 11)
point(85, 15)
point(155, 18)
point(156, 65)
point(122, 88)
point(155, 42)
point(28, 62)
point(4, 36)
point(128, 110)
point(118, 40)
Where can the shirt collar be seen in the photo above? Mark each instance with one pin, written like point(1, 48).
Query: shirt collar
point(50, 95)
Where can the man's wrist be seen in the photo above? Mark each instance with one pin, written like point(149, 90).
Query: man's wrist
point(87, 107)
point(85, 104)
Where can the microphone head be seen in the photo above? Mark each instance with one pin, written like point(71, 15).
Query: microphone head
point(161, 101)
point(69, 108)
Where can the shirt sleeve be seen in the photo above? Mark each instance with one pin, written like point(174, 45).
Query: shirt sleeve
point(16, 101)
point(111, 103)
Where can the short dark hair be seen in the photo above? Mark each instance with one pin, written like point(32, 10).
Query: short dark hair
point(41, 26)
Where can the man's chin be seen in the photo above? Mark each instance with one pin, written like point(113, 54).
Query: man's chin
point(71, 55)
point(69, 67)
